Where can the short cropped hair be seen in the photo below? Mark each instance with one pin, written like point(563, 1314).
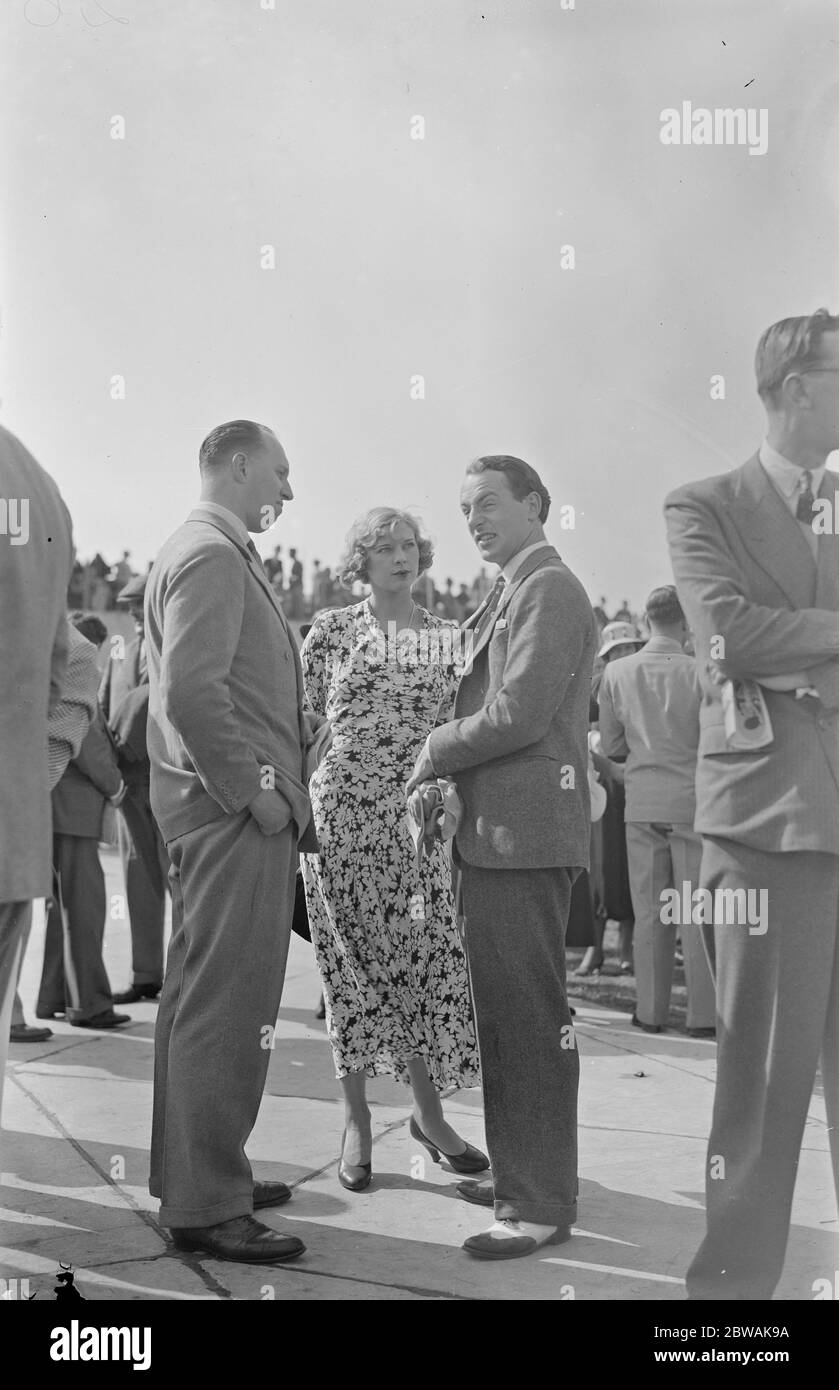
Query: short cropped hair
point(363, 535)
point(89, 626)
point(522, 479)
point(226, 440)
point(663, 606)
point(791, 345)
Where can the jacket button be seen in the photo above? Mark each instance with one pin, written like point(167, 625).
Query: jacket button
point(288, 656)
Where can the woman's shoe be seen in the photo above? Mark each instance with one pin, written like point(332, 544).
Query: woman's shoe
point(470, 1161)
point(591, 963)
point(353, 1176)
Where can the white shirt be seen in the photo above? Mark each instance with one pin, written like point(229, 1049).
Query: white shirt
point(787, 479)
point(514, 564)
point(230, 517)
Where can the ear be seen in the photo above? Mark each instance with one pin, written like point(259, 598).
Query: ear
point(797, 391)
point(239, 466)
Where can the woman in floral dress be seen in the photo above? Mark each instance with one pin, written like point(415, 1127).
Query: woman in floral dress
point(394, 971)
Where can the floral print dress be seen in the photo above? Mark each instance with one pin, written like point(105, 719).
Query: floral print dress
point(389, 952)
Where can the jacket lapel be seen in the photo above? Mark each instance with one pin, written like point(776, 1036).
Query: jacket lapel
point(530, 564)
point(199, 514)
point(772, 535)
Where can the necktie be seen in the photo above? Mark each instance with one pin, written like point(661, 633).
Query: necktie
point(255, 553)
point(804, 510)
point(492, 605)
point(142, 664)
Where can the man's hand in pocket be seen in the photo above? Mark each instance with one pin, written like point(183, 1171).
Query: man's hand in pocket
point(271, 811)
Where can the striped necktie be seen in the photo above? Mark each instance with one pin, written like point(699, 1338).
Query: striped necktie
point(491, 608)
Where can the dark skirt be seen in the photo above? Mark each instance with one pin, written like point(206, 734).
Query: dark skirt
point(616, 896)
point(580, 930)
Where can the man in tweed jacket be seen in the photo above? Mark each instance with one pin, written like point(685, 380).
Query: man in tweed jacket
point(517, 748)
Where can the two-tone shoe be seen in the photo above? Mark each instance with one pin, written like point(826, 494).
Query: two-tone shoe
point(510, 1240)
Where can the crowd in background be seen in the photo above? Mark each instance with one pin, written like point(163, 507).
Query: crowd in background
point(95, 586)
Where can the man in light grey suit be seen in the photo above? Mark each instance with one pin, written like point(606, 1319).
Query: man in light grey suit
point(36, 558)
point(759, 583)
point(517, 748)
point(226, 741)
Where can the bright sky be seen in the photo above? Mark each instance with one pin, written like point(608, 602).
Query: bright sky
point(291, 127)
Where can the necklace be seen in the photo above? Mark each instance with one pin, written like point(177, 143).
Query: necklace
point(410, 622)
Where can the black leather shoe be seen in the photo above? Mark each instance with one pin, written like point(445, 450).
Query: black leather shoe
point(646, 1027)
point(470, 1161)
point(108, 1019)
point(50, 1013)
point(481, 1193)
point(24, 1032)
point(243, 1239)
point(270, 1194)
point(702, 1032)
point(136, 994)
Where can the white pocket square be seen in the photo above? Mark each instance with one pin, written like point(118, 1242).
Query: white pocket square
point(501, 624)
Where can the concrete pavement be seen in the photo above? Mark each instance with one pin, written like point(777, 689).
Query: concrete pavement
point(74, 1163)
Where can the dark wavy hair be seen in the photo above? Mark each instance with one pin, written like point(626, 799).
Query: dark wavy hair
point(521, 477)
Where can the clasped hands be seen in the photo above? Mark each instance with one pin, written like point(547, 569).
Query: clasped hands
point(269, 807)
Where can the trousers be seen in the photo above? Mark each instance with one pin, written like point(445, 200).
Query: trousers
point(665, 856)
point(777, 1010)
point(232, 903)
point(145, 865)
point(515, 945)
point(73, 977)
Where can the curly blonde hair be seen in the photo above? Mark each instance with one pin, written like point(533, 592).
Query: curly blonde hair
point(363, 535)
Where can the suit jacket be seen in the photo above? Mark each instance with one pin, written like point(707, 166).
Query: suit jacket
point(518, 744)
point(78, 800)
point(225, 683)
point(33, 655)
point(125, 704)
point(744, 572)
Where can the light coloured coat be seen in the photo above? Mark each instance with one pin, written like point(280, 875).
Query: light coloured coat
point(33, 639)
point(745, 573)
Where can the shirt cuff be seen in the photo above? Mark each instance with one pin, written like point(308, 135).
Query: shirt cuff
point(803, 690)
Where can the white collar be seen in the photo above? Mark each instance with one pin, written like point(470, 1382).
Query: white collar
point(516, 561)
point(230, 517)
point(786, 475)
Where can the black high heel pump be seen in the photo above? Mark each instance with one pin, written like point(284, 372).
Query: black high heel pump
point(470, 1161)
point(353, 1176)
